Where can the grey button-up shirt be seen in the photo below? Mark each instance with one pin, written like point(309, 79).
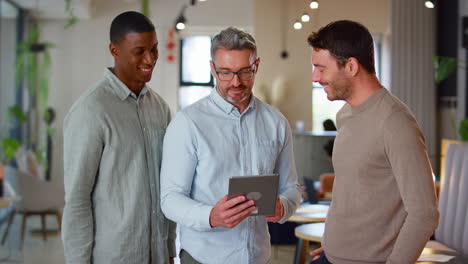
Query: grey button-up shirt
point(112, 156)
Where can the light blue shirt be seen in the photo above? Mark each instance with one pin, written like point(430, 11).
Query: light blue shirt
point(206, 144)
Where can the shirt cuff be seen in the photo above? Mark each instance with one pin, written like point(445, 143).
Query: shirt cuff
point(204, 220)
point(171, 247)
point(286, 215)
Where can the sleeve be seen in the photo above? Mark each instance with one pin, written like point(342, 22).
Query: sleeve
point(177, 172)
point(83, 146)
point(171, 241)
point(406, 151)
point(289, 192)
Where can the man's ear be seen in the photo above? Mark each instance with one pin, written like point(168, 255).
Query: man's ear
point(212, 68)
point(114, 50)
point(257, 64)
point(352, 66)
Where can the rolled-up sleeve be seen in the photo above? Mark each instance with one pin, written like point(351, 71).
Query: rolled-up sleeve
point(83, 147)
point(177, 172)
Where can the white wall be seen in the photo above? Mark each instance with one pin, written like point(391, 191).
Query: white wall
point(81, 52)
point(297, 103)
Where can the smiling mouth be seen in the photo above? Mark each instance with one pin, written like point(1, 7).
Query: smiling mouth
point(148, 70)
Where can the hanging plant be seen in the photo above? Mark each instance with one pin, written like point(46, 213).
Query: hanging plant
point(27, 63)
point(70, 12)
point(145, 7)
point(33, 66)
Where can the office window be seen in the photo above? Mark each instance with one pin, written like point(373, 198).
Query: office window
point(323, 109)
point(196, 81)
point(9, 35)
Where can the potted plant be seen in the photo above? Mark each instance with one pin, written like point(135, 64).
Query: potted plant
point(443, 68)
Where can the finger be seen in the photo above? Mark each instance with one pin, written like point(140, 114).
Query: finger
point(236, 219)
point(316, 251)
point(241, 215)
point(232, 202)
point(239, 208)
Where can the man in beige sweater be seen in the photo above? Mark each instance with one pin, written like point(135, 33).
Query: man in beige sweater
point(384, 205)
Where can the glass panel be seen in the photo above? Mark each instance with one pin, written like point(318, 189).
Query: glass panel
point(323, 109)
point(190, 94)
point(8, 35)
point(195, 59)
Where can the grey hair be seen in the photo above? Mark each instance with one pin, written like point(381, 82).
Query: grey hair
point(233, 39)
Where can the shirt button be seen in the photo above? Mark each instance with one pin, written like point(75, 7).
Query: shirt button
point(245, 142)
point(246, 169)
point(154, 211)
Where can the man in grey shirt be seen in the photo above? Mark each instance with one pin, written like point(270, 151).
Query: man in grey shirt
point(112, 154)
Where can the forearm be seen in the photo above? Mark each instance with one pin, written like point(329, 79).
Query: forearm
point(290, 200)
point(289, 192)
point(185, 211)
point(77, 231)
point(412, 238)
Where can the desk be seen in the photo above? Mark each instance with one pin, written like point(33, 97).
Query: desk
point(459, 259)
point(310, 213)
point(314, 232)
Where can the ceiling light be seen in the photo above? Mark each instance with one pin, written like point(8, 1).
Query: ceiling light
point(180, 21)
point(314, 4)
point(180, 26)
point(297, 25)
point(429, 4)
point(305, 17)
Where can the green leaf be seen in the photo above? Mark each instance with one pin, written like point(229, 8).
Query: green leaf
point(17, 113)
point(71, 21)
point(10, 146)
point(50, 131)
point(463, 130)
point(443, 67)
point(44, 82)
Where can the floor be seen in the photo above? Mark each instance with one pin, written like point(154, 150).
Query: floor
point(37, 251)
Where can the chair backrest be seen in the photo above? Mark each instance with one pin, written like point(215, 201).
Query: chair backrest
point(34, 193)
point(453, 200)
point(310, 191)
point(326, 182)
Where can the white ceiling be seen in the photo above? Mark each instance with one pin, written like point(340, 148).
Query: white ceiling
point(55, 9)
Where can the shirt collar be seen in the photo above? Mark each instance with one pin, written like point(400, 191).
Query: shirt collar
point(370, 101)
point(225, 105)
point(120, 89)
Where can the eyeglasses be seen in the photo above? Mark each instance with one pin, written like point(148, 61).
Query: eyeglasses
point(244, 75)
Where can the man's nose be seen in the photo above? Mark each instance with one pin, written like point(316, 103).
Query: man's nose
point(235, 80)
point(315, 77)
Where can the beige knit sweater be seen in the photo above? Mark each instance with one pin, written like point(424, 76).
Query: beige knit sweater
point(384, 205)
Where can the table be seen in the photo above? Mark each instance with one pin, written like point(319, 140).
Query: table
point(459, 259)
point(310, 213)
point(306, 233)
point(314, 232)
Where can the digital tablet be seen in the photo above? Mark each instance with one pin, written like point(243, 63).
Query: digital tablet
point(261, 188)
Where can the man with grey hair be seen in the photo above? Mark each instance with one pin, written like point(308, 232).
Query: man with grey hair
point(228, 133)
